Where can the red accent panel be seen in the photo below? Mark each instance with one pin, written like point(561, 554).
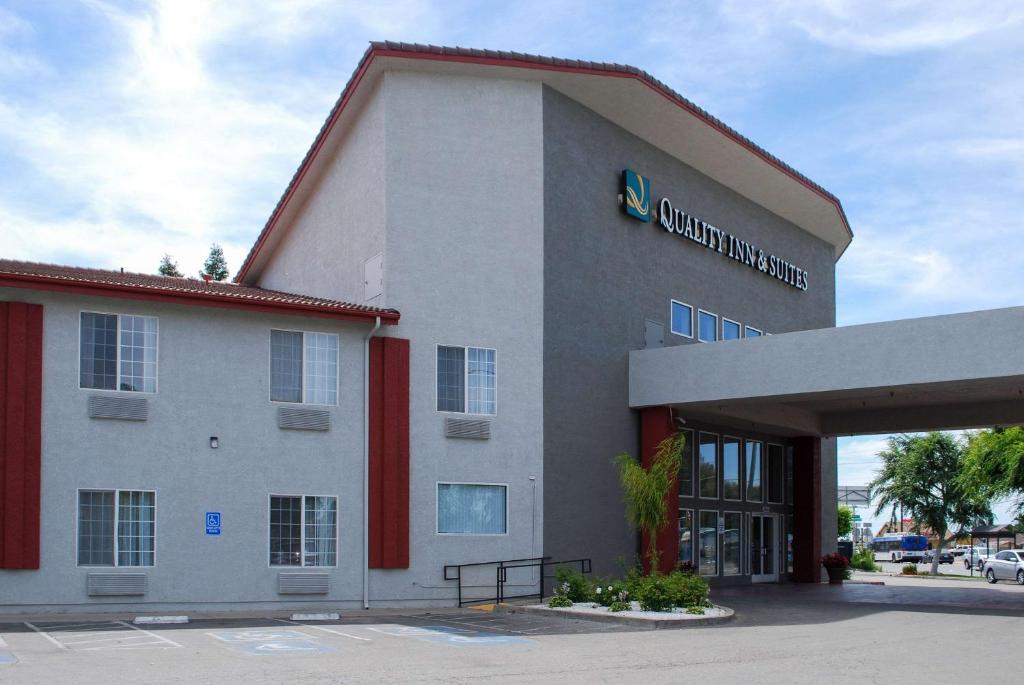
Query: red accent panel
point(655, 426)
point(389, 453)
point(21, 387)
point(807, 509)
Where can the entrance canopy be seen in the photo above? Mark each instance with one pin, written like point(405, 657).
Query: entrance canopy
point(941, 372)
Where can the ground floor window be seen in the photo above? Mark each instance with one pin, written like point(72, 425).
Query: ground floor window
point(789, 544)
point(472, 509)
point(731, 543)
point(116, 527)
point(686, 536)
point(303, 530)
point(708, 543)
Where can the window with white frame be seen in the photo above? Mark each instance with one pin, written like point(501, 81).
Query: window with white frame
point(472, 509)
point(117, 352)
point(707, 326)
point(116, 527)
point(467, 380)
point(730, 329)
point(303, 367)
point(681, 318)
point(303, 530)
point(752, 332)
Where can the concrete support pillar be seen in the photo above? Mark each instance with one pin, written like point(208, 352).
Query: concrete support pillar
point(656, 425)
point(807, 509)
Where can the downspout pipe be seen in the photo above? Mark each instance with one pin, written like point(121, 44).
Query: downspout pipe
point(366, 462)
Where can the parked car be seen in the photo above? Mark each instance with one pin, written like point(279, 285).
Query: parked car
point(975, 557)
point(945, 557)
point(1005, 565)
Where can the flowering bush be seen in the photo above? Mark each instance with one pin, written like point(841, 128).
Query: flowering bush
point(664, 593)
point(835, 560)
point(560, 602)
point(607, 592)
point(573, 585)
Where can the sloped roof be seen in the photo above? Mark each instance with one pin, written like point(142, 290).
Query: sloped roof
point(499, 58)
point(192, 291)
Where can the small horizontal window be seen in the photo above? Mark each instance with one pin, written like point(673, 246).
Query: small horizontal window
point(472, 509)
point(752, 332)
point(682, 319)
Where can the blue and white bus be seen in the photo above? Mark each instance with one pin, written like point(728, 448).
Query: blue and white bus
point(899, 547)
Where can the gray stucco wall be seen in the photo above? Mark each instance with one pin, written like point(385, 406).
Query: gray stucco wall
point(213, 380)
point(465, 267)
point(604, 275)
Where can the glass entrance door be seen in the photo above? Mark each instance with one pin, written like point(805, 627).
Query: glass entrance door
point(763, 537)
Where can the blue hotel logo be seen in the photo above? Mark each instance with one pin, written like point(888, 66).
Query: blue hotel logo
point(637, 194)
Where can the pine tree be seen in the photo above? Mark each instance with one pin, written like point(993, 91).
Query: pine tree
point(216, 267)
point(168, 267)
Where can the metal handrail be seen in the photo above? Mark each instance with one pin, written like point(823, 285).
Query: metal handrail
point(501, 575)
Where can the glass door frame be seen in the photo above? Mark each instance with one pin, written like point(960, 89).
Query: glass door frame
point(755, 533)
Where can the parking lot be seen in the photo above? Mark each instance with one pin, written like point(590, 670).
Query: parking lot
point(782, 633)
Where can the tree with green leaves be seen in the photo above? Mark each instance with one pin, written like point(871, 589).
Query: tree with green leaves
point(844, 517)
point(215, 266)
point(995, 464)
point(646, 490)
point(169, 267)
point(924, 474)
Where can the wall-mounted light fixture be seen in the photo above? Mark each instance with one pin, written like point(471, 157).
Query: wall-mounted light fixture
point(214, 442)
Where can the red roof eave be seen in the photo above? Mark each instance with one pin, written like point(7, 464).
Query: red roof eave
point(228, 301)
point(524, 62)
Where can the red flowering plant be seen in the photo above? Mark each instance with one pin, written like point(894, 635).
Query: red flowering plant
point(835, 560)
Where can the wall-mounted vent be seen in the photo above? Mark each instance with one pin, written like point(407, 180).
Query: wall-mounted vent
point(303, 419)
point(124, 408)
point(477, 429)
point(116, 584)
point(654, 334)
point(303, 583)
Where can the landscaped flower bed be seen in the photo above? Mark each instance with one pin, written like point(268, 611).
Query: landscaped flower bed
point(678, 592)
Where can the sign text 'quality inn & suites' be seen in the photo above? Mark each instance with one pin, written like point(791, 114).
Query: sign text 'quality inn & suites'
point(637, 204)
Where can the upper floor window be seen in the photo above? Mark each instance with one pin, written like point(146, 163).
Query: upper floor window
point(303, 367)
point(753, 332)
point(116, 527)
point(730, 329)
point(707, 326)
point(682, 319)
point(117, 352)
point(467, 380)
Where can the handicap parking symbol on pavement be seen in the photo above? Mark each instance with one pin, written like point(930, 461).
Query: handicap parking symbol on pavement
point(213, 523)
point(284, 647)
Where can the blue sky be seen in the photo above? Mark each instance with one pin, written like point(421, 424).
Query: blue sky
point(132, 129)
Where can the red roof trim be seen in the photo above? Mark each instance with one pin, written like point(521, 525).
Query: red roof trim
point(151, 294)
point(523, 62)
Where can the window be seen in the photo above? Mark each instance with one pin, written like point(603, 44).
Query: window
point(682, 319)
point(303, 367)
point(754, 450)
point(472, 509)
point(731, 547)
point(789, 543)
point(467, 380)
point(752, 332)
point(730, 329)
point(731, 468)
point(707, 326)
point(686, 466)
point(775, 474)
point(708, 465)
point(121, 535)
point(709, 543)
point(303, 530)
point(686, 536)
point(788, 466)
point(117, 352)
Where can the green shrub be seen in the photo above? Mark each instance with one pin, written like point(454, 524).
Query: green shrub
point(573, 585)
point(695, 610)
point(910, 569)
point(864, 559)
point(619, 606)
point(677, 589)
point(560, 602)
point(607, 592)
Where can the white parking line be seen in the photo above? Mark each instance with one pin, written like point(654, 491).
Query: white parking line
point(325, 629)
point(46, 635)
point(3, 645)
point(153, 635)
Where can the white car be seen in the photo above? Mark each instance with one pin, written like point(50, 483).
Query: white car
point(975, 557)
point(1005, 565)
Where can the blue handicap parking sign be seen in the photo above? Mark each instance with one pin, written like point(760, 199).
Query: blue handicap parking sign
point(213, 523)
